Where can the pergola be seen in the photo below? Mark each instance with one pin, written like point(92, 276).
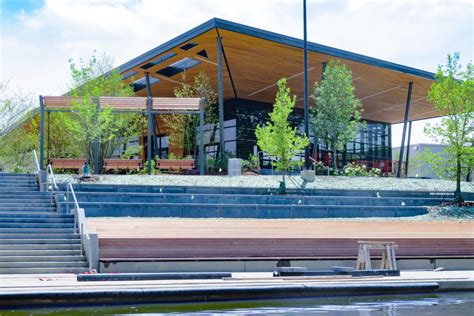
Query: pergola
point(143, 105)
point(245, 63)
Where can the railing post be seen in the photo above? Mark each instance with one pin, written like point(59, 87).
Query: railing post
point(201, 137)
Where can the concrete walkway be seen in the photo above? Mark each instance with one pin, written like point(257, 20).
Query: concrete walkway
point(63, 289)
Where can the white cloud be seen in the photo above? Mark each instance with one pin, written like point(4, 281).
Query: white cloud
point(35, 50)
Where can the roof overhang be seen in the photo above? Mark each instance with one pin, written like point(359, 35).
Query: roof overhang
point(255, 59)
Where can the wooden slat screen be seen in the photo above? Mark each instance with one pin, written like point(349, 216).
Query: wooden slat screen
point(176, 104)
point(57, 102)
point(123, 103)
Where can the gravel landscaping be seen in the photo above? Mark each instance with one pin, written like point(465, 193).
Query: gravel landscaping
point(354, 183)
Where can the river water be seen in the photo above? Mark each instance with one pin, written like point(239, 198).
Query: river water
point(439, 304)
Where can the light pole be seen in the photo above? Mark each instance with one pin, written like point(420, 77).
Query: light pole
point(306, 97)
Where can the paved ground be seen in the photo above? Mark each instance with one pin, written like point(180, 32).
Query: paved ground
point(127, 227)
point(68, 282)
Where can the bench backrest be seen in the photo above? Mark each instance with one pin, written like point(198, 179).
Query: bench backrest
point(123, 163)
point(175, 163)
point(66, 163)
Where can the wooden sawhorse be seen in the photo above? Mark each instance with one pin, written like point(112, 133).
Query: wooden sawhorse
point(389, 262)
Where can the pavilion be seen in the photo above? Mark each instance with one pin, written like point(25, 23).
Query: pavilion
point(244, 64)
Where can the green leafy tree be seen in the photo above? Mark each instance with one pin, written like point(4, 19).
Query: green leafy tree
point(183, 127)
point(453, 97)
point(278, 138)
point(18, 129)
point(90, 80)
point(337, 114)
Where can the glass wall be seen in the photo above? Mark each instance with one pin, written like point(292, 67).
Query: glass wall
point(372, 146)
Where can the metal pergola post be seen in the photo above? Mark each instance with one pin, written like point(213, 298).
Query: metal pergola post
point(96, 141)
point(306, 97)
point(220, 91)
point(405, 121)
point(41, 159)
point(201, 137)
point(149, 117)
point(408, 149)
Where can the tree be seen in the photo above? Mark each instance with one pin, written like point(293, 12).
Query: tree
point(112, 131)
point(183, 127)
point(336, 116)
point(14, 106)
point(18, 128)
point(453, 97)
point(277, 138)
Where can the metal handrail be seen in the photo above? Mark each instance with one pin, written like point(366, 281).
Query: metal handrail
point(81, 229)
point(54, 187)
point(38, 168)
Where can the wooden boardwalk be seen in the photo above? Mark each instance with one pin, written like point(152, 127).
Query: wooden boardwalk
point(140, 238)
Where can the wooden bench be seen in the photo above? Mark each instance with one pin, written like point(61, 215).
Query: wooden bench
point(67, 163)
point(175, 164)
point(122, 164)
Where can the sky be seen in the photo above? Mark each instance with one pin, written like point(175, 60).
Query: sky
point(38, 37)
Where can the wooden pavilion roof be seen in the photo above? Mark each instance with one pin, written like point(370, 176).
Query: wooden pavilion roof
point(255, 59)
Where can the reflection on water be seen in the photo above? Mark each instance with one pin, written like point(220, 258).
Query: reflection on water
point(439, 304)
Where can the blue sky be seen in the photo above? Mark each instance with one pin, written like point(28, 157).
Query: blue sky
point(38, 37)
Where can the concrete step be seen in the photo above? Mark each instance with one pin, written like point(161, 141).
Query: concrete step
point(196, 210)
point(27, 209)
point(234, 190)
point(40, 247)
point(41, 236)
point(30, 231)
point(41, 258)
point(43, 270)
point(37, 220)
point(22, 195)
point(18, 186)
point(27, 204)
point(35, 253)
point(32, 240)
point(14, 174)
point(46, 201)
point(28, 226)
point(255, 199)
point(40, 264)
point(34, 214)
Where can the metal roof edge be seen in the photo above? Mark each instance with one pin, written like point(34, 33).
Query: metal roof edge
point(319, 48)
point(204, 27)
point(275, 37)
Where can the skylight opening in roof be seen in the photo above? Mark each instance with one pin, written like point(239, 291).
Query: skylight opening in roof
point(141, 83)
point(179, 66)
point(188, 46)
point(128, 75)
point(158, 60)
point(202, 53)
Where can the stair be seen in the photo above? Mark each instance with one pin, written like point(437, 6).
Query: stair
point(34, 237)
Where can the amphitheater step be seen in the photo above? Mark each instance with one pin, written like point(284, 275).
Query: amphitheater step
point(39, 247)
point(43, 270)
point(45, 225)
point(31, 240)
point(69, 259)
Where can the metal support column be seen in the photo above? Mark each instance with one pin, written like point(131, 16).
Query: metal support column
point(149, 116)
point(41, 159)
point(405, 121)
point(201, 137)
point(306, 95)
point(96, 141)
point(408, 149)
point(220, 91)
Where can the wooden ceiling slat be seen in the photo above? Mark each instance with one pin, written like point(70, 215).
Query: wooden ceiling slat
point(257, 64)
